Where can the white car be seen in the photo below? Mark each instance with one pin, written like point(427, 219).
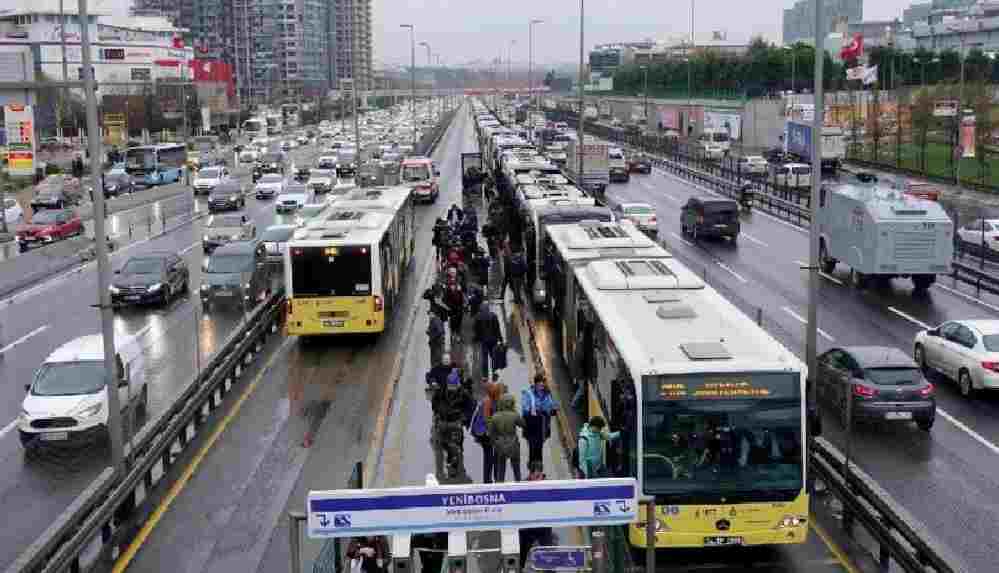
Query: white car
point(326, 162)
point(208, 179)
point(713, 151)
point(980, 231)
point(67, 400)
point(269, 186)
point(642, 215)
point(289, 202)
point(321, 180)
point(752, 165)
point(249, 155)
point(966, 351)
point(303, 139)
point(12, 211)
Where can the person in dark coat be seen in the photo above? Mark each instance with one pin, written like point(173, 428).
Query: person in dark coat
point(488, 334)
point(435, 338)
point(454, 298)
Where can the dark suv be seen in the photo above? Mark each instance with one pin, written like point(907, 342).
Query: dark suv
point(150, 278)
point(710, 217)
point(227, 196)
point(236, 274)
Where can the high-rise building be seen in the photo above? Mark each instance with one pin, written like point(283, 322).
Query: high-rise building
point(353, 41)
point(279, 49)
point(179, 12)
point(799, 20)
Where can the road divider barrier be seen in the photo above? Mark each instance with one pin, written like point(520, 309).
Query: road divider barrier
point(99, 515)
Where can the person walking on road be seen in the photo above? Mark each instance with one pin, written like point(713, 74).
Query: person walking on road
point(488, 334)
point(537, 407)
point(435, 337)
point(590, 446)
point(502, 428)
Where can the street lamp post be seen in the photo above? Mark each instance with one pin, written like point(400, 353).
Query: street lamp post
point(430, 63)
point(509, 60)
point(530, 63)
point(794, 62)
point(582, 99)
point(412, 77)
point(645, 94)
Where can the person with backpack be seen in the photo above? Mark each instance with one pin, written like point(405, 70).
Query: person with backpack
point(435, 337)
point(518, 270)
point(589, 456)
point(488, 334)
point(537, 407)
point(502, 429)
point(479, 428)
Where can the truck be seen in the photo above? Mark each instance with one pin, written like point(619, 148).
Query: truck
point(798, 144)
point(618, 166)
point(596, 166)
point(883, 233)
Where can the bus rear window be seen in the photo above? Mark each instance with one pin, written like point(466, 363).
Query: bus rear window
point(330, 271)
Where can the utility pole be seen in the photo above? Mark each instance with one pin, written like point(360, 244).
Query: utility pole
point(354, 90)
point(103, 264)
point(530, 64)
point(645, 93)
point(430, 65)
point(811, 350)
point(412, 77)
point(64, 92)
point(582, 99)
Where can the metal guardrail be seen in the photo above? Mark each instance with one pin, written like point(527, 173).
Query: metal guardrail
point(901, 538)
point(111, 499)
point(981, 280)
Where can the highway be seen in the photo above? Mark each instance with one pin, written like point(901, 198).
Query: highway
point(945, 478)
point(37, 486)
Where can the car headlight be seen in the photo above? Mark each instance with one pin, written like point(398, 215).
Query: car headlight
point(114, 289)
point(156, 286)
point(236, 237)
point(112, 187)
point(91, 410)
point(246, 286)
point(206, 238)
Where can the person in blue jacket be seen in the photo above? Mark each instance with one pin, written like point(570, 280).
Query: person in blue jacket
point(591, 442)
point(537, 407)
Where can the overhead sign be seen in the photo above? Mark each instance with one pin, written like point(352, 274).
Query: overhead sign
point(945, 108)
point(557, 558)
point(473, 507)
point(19, 121)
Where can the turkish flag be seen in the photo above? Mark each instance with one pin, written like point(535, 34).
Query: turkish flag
point(854, 49)
point(203, 70)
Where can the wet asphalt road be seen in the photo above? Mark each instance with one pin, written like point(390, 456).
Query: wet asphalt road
point(36, 487)
point(946, 478)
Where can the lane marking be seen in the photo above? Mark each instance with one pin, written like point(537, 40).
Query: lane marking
point(802, 320)
point(753, 239)
point(731, 272)
point(188, 248)
point(974, 435)
point(804, 266)
point(175, 490)
point(34, 332)
point(838, 553)
point(684, 241)
point(967, 297)
point(910, 318)
point(8, 428)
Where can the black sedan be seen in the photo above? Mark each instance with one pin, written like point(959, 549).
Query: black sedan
point(875, 383)
point(151, 278)
point(640, 164)
point(116, 184)
point(227, 196)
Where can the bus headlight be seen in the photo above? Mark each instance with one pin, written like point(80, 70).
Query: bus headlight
point(791, 521)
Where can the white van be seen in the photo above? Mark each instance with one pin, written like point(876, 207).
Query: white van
point(67, 399)
point(793, 175)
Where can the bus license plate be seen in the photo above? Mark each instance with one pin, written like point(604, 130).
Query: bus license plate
point(721, 541)
point(898, 415)
point(334, 323)
point(54, 436)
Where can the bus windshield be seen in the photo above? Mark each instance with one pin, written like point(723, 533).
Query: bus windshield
point(418, 172)
point(315, 271)
point(719, 136)
point(710, 437)
point(140, 159)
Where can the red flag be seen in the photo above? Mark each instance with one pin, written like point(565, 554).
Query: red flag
point(178, 42)
point(854, 49)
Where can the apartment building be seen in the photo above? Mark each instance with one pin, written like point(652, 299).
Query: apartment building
point(353, 41)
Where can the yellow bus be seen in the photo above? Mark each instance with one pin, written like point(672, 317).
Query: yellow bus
point(710, 408)
point(344, 268)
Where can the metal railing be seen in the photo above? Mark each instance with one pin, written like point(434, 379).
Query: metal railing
point(112, 499)
point(901, 538)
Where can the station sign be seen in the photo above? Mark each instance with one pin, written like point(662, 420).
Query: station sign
point(19, 121)
point(558, 558)
point(472, 507)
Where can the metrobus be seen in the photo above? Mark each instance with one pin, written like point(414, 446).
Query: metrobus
point(156, 164)
point(710, 409)
point(254, 127)
point(344, 268)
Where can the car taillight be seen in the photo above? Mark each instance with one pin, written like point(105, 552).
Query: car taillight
point(927, 391)
point(700, 219)
point(993, 366)
point(862, 391)
point(652, 219)
point(379, 304)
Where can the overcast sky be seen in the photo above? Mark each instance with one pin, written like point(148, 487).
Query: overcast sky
point(466, 30)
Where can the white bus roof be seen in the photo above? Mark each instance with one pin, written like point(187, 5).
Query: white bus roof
point(664, 320)
point(361, 216)
point(589, 240)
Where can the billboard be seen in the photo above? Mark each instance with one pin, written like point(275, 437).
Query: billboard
point(19, 121)
point(668, 117)
point(727, 120)
point(968, 136)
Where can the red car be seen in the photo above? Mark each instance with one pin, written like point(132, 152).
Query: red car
point(48, 226)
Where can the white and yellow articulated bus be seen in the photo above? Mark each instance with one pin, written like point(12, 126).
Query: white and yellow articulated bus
point(344, 268)
point(710, 408)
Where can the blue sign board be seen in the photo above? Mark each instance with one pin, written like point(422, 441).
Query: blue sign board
point(557, 558)
point(472, 507)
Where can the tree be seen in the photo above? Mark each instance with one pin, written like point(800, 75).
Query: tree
point(922, 118)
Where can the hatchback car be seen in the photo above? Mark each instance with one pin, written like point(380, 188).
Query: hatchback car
point(642, 215)
point(966, 351)
point(226, 196)
point(875, 383)
point(208, 178)
point(150, 278)
point(710, 217)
